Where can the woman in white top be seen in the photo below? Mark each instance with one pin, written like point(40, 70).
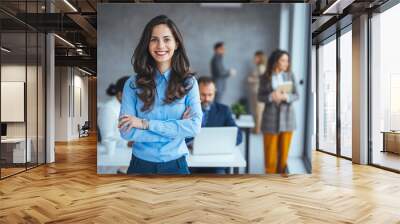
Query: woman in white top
point(256, 107)
point(108, 118)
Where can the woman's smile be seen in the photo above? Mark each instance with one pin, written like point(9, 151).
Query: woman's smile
point(161, 53)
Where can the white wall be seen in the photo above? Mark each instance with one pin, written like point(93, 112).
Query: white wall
point(33, 126)
point(70, 84)
point(61, 83)
point(79, 117)
point(16, 73)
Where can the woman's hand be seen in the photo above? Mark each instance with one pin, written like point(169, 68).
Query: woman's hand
point(186, 114)
point(279, 96)
point(276, 97)
point(127, 122)
point(285, 97)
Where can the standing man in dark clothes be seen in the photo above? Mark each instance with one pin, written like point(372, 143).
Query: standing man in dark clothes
point(218, 71)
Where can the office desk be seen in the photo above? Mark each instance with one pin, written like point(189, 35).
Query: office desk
point(16, 147)
point(246, 122)
point(122, 157)
point(235, 160)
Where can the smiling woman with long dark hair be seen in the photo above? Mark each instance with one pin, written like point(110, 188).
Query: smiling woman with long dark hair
point(161, 104)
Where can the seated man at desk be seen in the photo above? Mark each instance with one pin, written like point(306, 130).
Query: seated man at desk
point(214, 115)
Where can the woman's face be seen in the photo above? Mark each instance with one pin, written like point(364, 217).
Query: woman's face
point(283, 63)
point(162, 44)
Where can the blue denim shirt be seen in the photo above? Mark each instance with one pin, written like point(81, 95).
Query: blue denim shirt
point(165, 139)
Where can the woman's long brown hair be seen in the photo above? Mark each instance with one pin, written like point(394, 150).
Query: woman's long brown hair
point(180, 81)
point(273, 62)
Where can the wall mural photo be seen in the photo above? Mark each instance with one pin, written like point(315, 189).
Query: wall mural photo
point(205, 88)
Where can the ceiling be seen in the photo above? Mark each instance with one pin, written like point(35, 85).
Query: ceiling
point(76, 22)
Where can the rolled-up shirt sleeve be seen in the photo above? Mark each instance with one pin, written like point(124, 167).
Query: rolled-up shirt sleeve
point(128, 107)
point(184, 128)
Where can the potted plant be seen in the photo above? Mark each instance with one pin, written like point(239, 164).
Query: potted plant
point(238, 109)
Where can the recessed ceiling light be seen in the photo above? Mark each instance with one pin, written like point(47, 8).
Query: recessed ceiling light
point(84, 71)
point(5, 49)
point(70, 5)
point(337, 7)
point(65, 41)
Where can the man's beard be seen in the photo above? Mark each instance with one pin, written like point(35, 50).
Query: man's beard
point(206, 106)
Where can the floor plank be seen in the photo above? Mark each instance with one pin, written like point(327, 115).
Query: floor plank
point(70, 191)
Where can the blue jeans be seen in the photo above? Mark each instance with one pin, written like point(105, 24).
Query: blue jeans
point(208, 170)
point(139, 166)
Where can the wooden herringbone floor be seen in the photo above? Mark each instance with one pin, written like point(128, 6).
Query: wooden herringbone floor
point(70, 191)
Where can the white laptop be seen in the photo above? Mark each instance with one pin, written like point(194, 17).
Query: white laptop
point(215, 141)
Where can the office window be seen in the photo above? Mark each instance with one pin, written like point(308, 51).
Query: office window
point(327, 96)
point(346, 94)
point(385, 89)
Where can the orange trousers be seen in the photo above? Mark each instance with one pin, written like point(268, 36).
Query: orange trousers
point(276, 151)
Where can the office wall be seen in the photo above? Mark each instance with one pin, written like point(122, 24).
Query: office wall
point(301, 62)
point(80, 109)
point(15, 72)
point(92, 98)
point(34, 124)
point(62, 81)
point(244, 30)
point(71, 102)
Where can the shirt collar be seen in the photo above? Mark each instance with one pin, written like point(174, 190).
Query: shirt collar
point(165, 75)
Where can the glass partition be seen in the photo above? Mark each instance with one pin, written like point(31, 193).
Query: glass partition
point(14, 154)
point(22, 88)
